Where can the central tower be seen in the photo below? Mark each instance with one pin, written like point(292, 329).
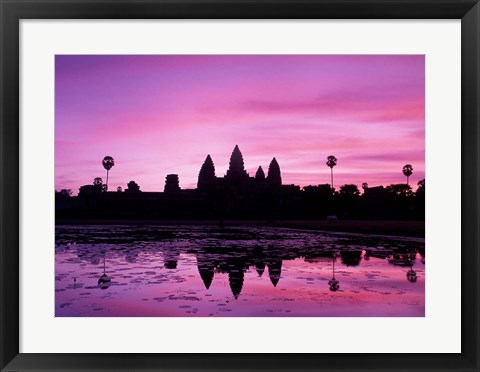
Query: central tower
point(236, 172)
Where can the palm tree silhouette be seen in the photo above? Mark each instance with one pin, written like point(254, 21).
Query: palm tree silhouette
point(407, 171)
point(108, 163)
point(331, 162)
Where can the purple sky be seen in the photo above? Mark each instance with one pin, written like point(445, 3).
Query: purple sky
point(157, 115)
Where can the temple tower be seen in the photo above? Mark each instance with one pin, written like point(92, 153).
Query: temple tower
point(172, 183)
point(260, 175)
point(206, 176)
point(236, 172)
point(132, 187)
point(274, 176)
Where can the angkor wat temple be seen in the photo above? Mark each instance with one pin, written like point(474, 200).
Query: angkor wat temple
point(237, 177)
point(236, 195)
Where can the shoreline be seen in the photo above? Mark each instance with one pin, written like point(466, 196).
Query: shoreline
point(414, 229)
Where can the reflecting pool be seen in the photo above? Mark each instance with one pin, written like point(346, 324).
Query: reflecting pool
point(163, 271)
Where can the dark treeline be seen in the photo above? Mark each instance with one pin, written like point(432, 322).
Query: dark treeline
point(394, 202)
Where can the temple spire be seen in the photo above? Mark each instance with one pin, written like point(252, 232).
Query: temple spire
point(236, 161)
point(206, 176)
point(236, 170)
point(274, 176)
point(260, 175)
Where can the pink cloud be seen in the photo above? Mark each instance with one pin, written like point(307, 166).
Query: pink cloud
point(163, 114)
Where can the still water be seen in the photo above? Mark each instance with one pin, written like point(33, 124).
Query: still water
point(106, 270)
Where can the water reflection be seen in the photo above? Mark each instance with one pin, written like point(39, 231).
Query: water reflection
point(351, 258)
point(137, 256)
point(333, 283)
point(412, 275)
point(104, 280)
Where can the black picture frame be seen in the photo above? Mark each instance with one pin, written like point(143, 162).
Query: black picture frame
point(12, 11)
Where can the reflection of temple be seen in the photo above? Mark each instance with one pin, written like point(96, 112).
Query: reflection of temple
point(259, 259)
point(260, 267)
point(274, 271)
point(383, 254)
point(319, 257)
point(205, 269)
point(351, 258)
point(235, 260)
point(403, 258)
point(170, 257)
point(235, 265)
point(235, 277)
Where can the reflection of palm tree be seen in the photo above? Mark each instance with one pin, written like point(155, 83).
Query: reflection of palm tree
point(104, 280)
point(412, 276)
point(407, 171)
point(108, 163)
point(333, 283)
point(331, 162)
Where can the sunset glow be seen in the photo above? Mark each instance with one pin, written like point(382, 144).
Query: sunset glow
point(157, 115)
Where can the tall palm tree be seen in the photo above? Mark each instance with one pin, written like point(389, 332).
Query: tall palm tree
point(331, 162)
point(407, 171)
point(108, 163)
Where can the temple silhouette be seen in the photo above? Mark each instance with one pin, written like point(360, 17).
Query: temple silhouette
point(237, 177)
point(238, 195)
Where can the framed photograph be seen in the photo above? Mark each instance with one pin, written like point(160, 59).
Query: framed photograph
point(239, 186)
